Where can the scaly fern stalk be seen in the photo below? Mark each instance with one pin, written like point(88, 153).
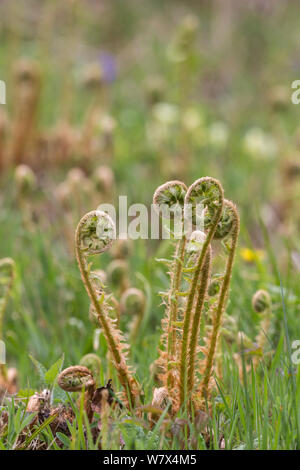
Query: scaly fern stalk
point(192, 349)
point(94, 235)
point(173, 307)
point(209, 192)
point(230, 227)
point(171, 194)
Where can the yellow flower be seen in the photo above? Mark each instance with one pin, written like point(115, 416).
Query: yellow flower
point(250, 256)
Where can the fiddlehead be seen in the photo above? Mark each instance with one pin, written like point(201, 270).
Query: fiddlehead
point(94, 235)
point(92, 362)
point(230, 228)
point(75, 379)
point(261, 301)
point(209, 193)
point(117, 273)
point(172, 195)
point(133, 302)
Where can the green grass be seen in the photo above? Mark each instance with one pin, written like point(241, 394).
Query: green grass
point(259, 412)
point(47, 315)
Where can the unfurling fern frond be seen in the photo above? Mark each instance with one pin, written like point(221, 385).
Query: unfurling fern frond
point(94, 235)
point(227, 228)
point(171, 194)
point(206, 193)
point(194, 294)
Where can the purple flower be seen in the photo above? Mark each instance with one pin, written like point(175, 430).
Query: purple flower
point(108, 67)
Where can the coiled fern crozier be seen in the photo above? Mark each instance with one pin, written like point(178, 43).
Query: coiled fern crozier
point(209, 193)
point(227, 228)
point(185, 360)
point(171, 194)
point(94, 235)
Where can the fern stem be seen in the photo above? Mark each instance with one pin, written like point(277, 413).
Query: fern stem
point(192, 291)
point(173, 302)
point(108, 329)
point(196, 321)
point(223, 296)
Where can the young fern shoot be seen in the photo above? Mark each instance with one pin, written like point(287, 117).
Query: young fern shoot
point(227, 227)
point(209, 193)
point(76, 378)
point(178, 360)
point(201, 294)
point(172, 195)
point(94, 235)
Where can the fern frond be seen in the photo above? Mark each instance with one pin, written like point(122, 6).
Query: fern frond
point(208, 192)
point(172, 195)
point(94, 235)
point(228, 230)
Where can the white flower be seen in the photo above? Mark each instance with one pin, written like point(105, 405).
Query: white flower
point(192, 119)
point(165, 113)
point(260, 144)
point(218, 134)
point(159, 129)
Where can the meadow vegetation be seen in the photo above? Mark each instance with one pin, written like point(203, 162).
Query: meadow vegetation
point(184, 343)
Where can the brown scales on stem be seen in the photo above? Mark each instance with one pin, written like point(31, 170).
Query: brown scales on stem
point(233, 232)
point(211, 196)
point(88, 242)
point(178, 357)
